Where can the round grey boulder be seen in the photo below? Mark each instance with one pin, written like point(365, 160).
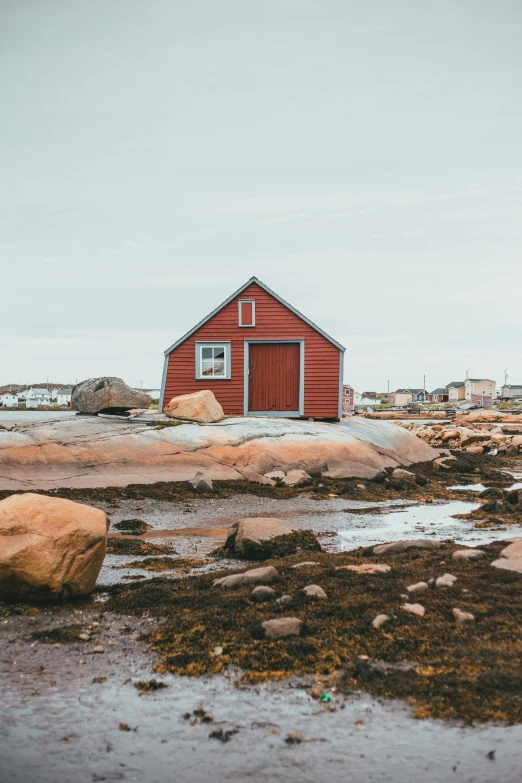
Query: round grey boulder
point(107, 394)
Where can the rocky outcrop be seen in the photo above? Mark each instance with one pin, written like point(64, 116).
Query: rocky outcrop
point(259, 538)
point(98, 452)
point(199, 406)
point(107, 395)
point(49, 547)
point(476, 432)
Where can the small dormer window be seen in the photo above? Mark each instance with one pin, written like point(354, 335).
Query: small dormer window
point(247, 312)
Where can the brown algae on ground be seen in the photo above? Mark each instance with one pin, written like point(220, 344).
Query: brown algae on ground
point(135, 547)
point(166, 563)
point(470, 672)
point(132, 527)
point(279, 546)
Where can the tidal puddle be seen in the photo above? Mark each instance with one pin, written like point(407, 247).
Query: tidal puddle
point(469, 487)
point(418, 521)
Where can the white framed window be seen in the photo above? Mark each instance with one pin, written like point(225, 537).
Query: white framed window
point(213, 361)
point(247, 312)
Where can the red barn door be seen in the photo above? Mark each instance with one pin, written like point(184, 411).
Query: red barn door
point(274, 372)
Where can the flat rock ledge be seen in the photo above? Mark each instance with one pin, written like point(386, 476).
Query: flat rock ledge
point(84, 451)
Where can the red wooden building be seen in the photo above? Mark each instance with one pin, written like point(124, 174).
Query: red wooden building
point(259, 356)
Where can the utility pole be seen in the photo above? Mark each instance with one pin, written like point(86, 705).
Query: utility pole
point(505, 377)
point(388, 392)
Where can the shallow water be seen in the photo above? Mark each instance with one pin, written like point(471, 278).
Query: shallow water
point(469, 487)
point(30, 416)
point(338, 527)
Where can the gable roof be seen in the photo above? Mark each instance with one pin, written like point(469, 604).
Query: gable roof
point(440, 390)
point(408, 391)
point(233, 296)
point(455, 385)
point(479, 380)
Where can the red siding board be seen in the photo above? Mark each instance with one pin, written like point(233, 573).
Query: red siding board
point(274, 321)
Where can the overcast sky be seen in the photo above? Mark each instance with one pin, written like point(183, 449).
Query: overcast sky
point(363, 159)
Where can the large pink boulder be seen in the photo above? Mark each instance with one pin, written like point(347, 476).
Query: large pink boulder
point(199, 406)
point(49, 547)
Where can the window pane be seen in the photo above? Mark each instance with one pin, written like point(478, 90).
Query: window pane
point(206, 353)
point(219, 352)
point(206, 367)
point(219, 367)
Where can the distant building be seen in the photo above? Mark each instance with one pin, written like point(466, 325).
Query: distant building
point(369, 400)
point(348, 399)
point(402, 397)
point(511, 391)
point(8, 400)
point(456, 391)
point(480, 391)
point(36, 397)
point(63, 396)
point(369, 395)
point(439, 395)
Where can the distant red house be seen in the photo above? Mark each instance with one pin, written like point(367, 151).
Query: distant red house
point(259, 356)
point(439, 395)
point(348, 399)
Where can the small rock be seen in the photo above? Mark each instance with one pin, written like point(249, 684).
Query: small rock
point(364, 657)
point(315, 692)
point(395, 547)
point(366, 568)
point(275, 474)
point(295, 478)
point(445, 581)
point(98, 649)
point(468, 554)
point(217, 651)
point(475, 449)
point(282, 626)
point(263, 574)
point(257, 478)
point(306, 564)
point(380, 620)
point(418, 587)
point(403, 475)
point(463, 617)
point(263, 593)
point(202, 483)
point(314, 591)
point(84, 636)
point(285, 599)
point(417, 609)
point(361, 486)
point(58, 645)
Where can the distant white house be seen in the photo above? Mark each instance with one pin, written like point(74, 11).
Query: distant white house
point(36, 397)
point(62, 396)
point(8, 400)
